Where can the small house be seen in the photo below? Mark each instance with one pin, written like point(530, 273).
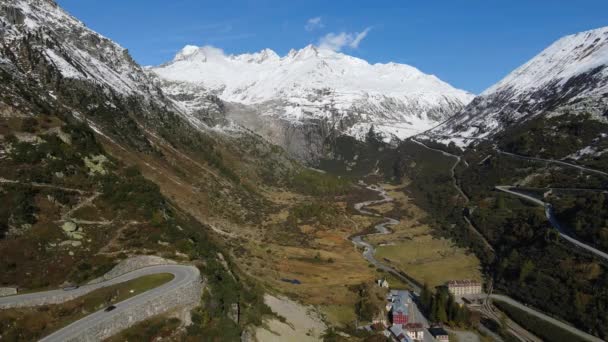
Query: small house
point(439, 334)
point(415, 331)
point(399, 334)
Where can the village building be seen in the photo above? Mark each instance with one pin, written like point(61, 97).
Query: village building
point(382, 283)
point(399, 335)
point(464, 287)
point(415, 331)
point(398, 306)
point(439, 334)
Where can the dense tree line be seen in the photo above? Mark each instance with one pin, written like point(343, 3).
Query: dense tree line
point(531, 263)
point(587, 216)
point(441, 307)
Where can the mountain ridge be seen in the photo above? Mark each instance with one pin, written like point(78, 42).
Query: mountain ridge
point(320, 93)
point(569, 76)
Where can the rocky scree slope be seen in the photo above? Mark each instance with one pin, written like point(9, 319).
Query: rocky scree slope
point(301, 99)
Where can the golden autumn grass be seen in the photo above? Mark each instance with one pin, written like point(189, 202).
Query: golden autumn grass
point(414, 250)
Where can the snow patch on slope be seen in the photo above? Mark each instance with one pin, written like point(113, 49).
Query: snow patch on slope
point(568, 57)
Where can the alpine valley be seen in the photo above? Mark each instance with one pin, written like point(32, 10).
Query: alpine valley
point(259, 197)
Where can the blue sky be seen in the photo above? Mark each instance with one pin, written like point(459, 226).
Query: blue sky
point(468, 43)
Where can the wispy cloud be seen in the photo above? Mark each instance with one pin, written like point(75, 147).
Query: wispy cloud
point(359, 37)
point(313, 24)
point(338, 41)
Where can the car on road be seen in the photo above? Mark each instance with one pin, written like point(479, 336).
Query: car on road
point(70, 288)
point(110, 308)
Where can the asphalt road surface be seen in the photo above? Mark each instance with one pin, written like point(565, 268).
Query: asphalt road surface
point(563, 163)
point(544, 317)
point(182, 275)
point(554, 222)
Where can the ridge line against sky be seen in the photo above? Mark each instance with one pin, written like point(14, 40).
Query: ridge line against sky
point(470, 45)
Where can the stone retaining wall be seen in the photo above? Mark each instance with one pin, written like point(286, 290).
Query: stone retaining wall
point(132, 264)
point(7, 291)
point(186, 296)
point(59, 296)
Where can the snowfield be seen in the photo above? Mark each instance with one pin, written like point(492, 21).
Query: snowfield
point(315, 83)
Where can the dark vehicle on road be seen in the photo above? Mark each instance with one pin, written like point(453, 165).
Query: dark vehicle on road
point(292, 281)
point(110, 308)
point(70, 288)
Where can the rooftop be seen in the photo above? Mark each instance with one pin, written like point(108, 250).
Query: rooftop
point(438, 331)
point(463, 283)
point(414, 326)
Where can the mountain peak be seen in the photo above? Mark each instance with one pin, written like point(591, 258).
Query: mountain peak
point(314, 83)
point(308, 51)
point(569, 76)
point(186, 52)
point(568, 57)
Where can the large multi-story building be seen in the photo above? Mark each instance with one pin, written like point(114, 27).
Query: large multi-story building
point(399, 302)
point(464, 287)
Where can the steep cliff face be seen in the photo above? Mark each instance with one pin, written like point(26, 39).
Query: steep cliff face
point(569, 77)
point(308, 97)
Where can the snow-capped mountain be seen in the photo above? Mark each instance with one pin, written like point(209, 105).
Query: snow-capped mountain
point(90, 74)
point(344, 94)
point(52, 65)
point(74, 50)
point(569, 77)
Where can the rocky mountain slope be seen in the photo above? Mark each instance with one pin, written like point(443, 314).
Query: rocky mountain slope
point(97, 164)
point(301, 99)
point(77, 114)
point(570, 77)
point(50, 59)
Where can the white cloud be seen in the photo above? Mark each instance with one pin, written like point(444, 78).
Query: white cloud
point(337, 41)
point(359, 37)
point(314, 23)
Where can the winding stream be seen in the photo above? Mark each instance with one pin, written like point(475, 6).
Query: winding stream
point(381, 229)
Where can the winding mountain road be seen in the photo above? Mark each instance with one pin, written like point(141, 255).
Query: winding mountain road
point(553, 220)
point(545, 317)
point(452, 169)
point(182, 276)
point(553, 161)
point(459, 190)
point(518, 331)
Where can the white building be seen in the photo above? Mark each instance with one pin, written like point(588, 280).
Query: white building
point(382, 283)
point(464, 287)
point(415, 331)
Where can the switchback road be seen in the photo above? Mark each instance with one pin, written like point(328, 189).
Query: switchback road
point(182, 275)
point(554, 222)
point(544, 317)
